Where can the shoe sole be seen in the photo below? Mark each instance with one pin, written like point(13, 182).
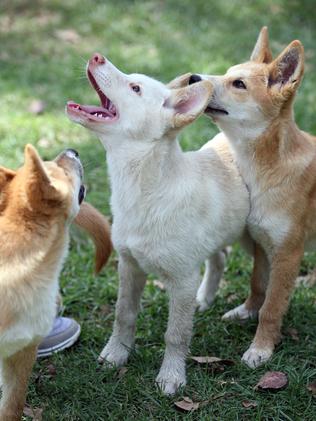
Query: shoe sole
point(60, 347)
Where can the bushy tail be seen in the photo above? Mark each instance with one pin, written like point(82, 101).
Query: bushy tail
point(98, 227)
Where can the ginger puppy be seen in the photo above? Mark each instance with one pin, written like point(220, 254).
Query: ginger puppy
point(37, 204)
point(253, 106)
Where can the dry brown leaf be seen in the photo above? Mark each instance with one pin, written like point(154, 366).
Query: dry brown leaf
point(312, 388)
point(232, 297)
point(187, 404)
point(272, 380)
point(67, 35)
point(35, 413)
point(212, 360)
point(37, 106)
point(249, 404)
point(291, 331)
point(51, 370)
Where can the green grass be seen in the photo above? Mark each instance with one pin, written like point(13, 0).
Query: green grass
point(162, 39)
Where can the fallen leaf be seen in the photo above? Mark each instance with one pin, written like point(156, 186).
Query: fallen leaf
point(67, 35)
point(312, 388)
point(37, 106)
point(51, 370)
point(122, 371)
point(291, 331)
point(249, 404)
point(36, 414)
point(212, 360)
point(231, 298)
point(187, 405)
point(158, 284)
point(272, 380)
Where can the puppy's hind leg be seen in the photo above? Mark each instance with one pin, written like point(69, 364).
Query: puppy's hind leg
point(214, 268)
point(16, 371)
point(258, 284)
point(132, 282)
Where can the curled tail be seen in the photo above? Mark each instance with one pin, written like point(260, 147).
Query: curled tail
point(98, 227)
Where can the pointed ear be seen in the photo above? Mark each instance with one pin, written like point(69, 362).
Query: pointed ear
point(34, 165)
point(179, 81)
point(287, 70)
point(262, 53)
point(38, 184)
point(189, 102)
point(6, 176)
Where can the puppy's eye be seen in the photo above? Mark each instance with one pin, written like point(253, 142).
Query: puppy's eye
point(81, 195)
point(136, 88)
point(239, 84)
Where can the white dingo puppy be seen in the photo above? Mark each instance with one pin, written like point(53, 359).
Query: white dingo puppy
point(172, 210)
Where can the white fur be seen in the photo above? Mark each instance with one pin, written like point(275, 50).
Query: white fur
point(255, 356)
point(172, 211)
point(214, 268)
point(240, 313)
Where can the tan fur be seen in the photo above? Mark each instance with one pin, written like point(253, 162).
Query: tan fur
point(98, 228)
point(16, 371)
point(278, 163)
point(37, 204)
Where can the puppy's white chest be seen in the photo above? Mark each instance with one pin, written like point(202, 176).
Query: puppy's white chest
point(32, 322)
point(145, 238)
point(268, 224)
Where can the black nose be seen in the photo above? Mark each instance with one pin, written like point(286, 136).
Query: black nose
point(72, 152)
point(194, 79)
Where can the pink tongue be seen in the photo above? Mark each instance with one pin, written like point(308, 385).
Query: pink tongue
point(91, 109)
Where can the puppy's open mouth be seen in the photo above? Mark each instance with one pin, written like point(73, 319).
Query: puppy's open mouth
point(106, 113)
point(214, 110)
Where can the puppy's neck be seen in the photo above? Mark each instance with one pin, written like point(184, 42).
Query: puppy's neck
point(138, 169)
point(270, 153)
point(137, 159)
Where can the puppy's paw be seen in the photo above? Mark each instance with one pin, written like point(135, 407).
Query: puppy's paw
point(240, 313)
point(170, 382)
point(114, 353)
point(203, 303)
point(254, 356)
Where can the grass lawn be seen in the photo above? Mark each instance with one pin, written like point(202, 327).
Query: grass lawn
point(44, 47)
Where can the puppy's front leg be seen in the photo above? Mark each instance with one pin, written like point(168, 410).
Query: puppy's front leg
point(132, 282)
point(16, 371)
point(178, 335)
point(284, 269)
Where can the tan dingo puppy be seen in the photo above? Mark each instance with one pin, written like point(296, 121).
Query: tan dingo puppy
point(37, 204)
point(253, 105)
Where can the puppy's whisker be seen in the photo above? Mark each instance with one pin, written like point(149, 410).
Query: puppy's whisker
point(89, 164)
